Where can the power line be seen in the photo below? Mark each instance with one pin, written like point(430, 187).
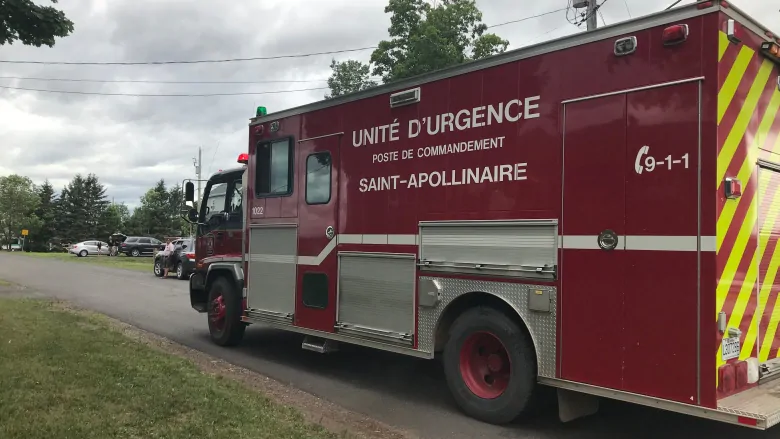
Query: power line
point(528, 18)
point(161, 95)
point(200, 61)
point(226, 60)
point(141, 81)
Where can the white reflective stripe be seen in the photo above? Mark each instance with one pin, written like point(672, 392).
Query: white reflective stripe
point(275, 259)
point(571, 242)
point(641, 243)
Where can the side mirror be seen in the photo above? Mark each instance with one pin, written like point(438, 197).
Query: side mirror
point(184, 246)
point(192, 215)
point(189, 191)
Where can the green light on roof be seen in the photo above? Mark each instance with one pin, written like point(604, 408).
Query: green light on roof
point(261, 111)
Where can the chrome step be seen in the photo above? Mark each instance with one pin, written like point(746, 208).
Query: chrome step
point(319, 345)
point(769, 371)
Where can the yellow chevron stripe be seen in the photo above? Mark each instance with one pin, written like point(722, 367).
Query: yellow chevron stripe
point(766, 285)
point(745, 114)
point(729, 87)
point(776, 148)
point(725, 281)
point(746, 170)
point(723, 44)
point(766, 289)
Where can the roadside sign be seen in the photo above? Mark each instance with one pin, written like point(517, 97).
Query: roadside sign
point(25, 232)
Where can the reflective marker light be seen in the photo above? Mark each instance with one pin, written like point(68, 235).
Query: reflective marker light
point(771, 50)
point(732, 31)
point(261, 111)
point(625, 46)
point(675, 34)
point(243, 158)
point(733, 188)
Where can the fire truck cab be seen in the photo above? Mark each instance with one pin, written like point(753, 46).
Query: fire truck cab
point(595, 214)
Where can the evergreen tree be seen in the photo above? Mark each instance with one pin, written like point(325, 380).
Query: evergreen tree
point(46, 213)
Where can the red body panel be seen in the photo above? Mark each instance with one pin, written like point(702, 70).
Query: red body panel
point(637, 320)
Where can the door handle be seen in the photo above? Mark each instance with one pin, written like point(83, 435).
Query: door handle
point(219, 235)
point(608, 240)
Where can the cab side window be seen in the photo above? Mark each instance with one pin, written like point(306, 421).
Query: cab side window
point(235, 205)
point(273, 176)
point(213, 206)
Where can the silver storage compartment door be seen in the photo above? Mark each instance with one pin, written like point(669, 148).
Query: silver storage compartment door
point(520, 248)
point(273, 270)
point(376, 296)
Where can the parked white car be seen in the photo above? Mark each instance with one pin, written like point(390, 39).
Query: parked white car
point(86, 248)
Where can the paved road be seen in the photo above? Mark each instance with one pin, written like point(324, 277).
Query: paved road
point(401, 391)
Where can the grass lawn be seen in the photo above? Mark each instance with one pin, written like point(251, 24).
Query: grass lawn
point(142, 263)
point(65, 374)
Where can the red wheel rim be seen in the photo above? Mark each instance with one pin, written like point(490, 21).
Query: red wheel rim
point(217, 313)
point(485, 365)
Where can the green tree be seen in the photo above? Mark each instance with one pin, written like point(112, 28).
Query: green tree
point(47, 214)
point(114, 219)
point(424, 38)
point(158, 215)
point(31, 24)
point(81, 210)
point(18, 201)
point(348, 77)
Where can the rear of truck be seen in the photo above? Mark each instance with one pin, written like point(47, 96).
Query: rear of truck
point(747, 225)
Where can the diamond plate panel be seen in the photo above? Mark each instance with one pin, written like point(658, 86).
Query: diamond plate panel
point(541, 325)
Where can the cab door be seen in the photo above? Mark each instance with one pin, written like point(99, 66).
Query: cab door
point(211, 231)
point(315, 302)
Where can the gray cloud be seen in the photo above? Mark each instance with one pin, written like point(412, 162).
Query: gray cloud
point(132, 142)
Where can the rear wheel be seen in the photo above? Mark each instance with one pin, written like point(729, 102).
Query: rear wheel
point(135, 253)
point(83, 253)
point(224, 313)
point(490, 366)
point(180, 271)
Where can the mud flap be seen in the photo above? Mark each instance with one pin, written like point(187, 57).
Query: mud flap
point(574, 405)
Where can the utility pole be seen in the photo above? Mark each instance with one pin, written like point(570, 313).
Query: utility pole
point(198, 169)
point(593, 19)
point(591, 13)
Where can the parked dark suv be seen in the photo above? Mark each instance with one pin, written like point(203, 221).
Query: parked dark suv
point(183, 259)
point(139, 245)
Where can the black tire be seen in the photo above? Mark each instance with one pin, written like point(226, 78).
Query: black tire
point(519, 393)
point(232, 331)
point(180, 271)
point(83, 253)
point(135, 253)
point(158, 268)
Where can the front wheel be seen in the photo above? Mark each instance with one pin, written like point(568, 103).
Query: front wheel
point(158, 268)
point(490, 366)
point(224, 313)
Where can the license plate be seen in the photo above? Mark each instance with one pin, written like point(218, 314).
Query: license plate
point(730, 348)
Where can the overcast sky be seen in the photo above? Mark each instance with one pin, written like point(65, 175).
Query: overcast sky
point(132, 142)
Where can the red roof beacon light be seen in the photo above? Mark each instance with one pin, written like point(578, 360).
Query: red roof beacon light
point(675, 34)
point(243, 158)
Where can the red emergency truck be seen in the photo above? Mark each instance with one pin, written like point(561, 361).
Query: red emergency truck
point(596, 214)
